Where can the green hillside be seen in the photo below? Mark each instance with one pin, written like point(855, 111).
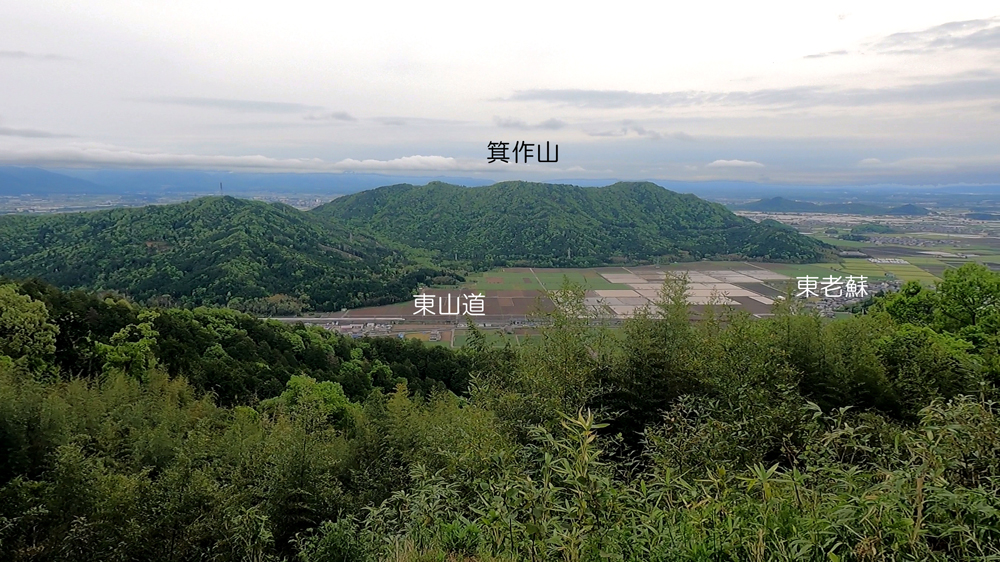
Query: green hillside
point(523, 223)
point(779, 205)
point(908, 209)
point(209, 251)
point(782, 205)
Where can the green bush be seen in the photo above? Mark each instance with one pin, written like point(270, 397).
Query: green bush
point(460, 537)
point(340, 541)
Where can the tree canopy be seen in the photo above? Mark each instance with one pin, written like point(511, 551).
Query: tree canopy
point(254, 256)
point(792, 437)
point(537, 224)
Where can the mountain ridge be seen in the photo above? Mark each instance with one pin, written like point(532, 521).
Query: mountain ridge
point(15, 180)
point(212, 250)
point(560, 225)
point(379, 246)
point(781, 204)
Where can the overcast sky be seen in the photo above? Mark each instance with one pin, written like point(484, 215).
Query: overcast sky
point(803, 92)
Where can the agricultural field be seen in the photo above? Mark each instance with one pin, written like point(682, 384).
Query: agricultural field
point(511, 296)
point(520, 278)
point(926, 263)
point(498, 337)
point(820, 270)
point(878, 271)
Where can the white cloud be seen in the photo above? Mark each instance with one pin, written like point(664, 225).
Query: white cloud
point(330, 116)
point(252, 106)
point(925, 164)
point(34, 56)
point(971, 34)
point(735, 164)
point(869, 162)
point(97, 157)
point(512, 123)
point(412, 163)
point(30, 133)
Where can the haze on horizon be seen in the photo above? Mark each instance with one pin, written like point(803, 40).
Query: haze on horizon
point(791, 92)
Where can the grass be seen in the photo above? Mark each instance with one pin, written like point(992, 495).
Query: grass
point(425, 336)
point(916, 260)
point(495, 337)
point(511, 280)
point(508, 281)
point(498, 338)
point(876, 271)
point(706, 265)
point(858, 267)
point(811, 269)
point(838, 242)
point(587, 278)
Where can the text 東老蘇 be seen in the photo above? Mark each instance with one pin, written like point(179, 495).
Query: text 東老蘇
point(833, 287)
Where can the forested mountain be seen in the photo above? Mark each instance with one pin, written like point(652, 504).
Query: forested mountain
point(908, 209)
point(782, 205)
point(260, 257)
point(272, 259)
point(523, 223)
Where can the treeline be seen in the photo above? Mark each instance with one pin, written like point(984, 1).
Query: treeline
point(234, 356)
point(730, 438)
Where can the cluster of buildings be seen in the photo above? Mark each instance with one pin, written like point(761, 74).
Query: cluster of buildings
point(906, 241)
point(360, 329)
point(828, 307)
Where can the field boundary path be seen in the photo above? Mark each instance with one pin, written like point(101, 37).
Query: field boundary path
point(532, 270)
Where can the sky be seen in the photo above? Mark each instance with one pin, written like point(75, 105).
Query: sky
point(775, 92)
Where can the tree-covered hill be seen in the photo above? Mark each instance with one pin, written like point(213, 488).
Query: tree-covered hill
point(908, 210)
point(260, 257)
point(361, 250)
point(523, 223)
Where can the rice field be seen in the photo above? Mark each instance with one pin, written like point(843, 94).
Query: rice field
point(522, 278)
point(877, 271)
point(820, 270)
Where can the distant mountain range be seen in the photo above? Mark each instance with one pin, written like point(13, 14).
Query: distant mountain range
point(20, 181)
point(151, 184)
point(782, 205)
point(377, 246)
point(35, 181)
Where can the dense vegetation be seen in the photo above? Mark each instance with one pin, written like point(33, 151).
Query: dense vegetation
point(873, 228)
point(782, 205)
point(541, 225)
point(788, 438)
point(262, 258)
point(236, 357)
point(982, 216)
point(271, 259)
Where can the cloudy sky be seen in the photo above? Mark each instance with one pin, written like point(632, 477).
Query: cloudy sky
point(777, 92)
